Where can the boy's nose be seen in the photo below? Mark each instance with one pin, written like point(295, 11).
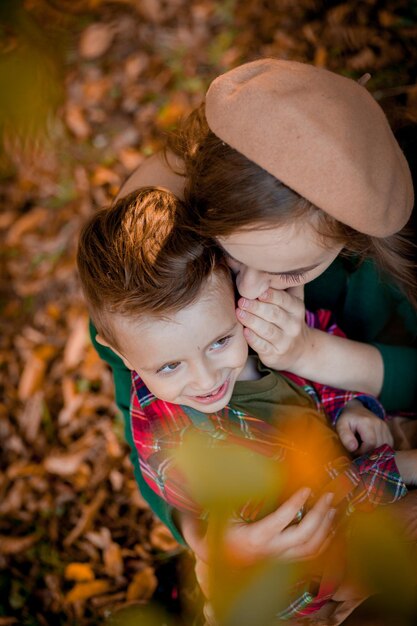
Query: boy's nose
point(251, 283)
point(205, 378)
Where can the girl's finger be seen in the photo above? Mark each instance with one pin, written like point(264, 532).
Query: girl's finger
point(270, 312)
point(262, 538)
point(311, 535)
point(264, 329)
point(285, 299)
point(313, 520)
point(261, 346)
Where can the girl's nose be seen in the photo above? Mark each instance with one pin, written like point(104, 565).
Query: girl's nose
point(251, 283)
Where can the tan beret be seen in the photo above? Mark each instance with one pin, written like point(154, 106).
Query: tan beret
point(321, 134)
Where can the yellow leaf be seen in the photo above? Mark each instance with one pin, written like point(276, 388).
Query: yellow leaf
point(83, 591)
point(34, 371)
point(96, 40)
point(76, 344)
point(142, 586)
point(32, 377)
point(104, 176)
point(376, 539)
point(113, 561)
point(79, 572)
point(15, 545)
point(161, 538)
point(76, 121)
point(170, 114)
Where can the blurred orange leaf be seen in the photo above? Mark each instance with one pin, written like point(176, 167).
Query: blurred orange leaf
point(113, 561)
point(14, 545)
point(162, 539)
point(95, 40)
point(65, 464)
point(86, 518)
point(77, 343)
point(143, 585)
point(104, 175)
point(170, 114)
point(76, 122)
point(83, 591)
point(34, 371)
point(130, 158)
point(28, 222)
point(79, 572)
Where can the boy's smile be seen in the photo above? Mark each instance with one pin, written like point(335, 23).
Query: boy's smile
point(192, 357)
point(215, 395)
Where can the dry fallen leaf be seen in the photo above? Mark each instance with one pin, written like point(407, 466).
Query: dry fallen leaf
point(14, 545)
point(130, 158)
point(28, 222)
point(113, 561)
point(34, 371)
point(161, 538)
point(95, 40)
point(76, 122)
point(104, 175)
point(65, 464)
point(83, 591)
point(77, 343)
point(80, 572)
point(86, 518)
point(31, 417)
point(172, 112)
point(142, 586)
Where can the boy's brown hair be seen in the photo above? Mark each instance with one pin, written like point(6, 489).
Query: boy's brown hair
point(135, 258)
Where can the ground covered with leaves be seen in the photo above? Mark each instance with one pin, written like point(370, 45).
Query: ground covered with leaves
point(77, 541)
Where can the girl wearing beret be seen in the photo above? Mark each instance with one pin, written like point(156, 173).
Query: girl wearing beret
point(295, 171)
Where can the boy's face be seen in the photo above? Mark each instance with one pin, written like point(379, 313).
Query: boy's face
point(195, 356)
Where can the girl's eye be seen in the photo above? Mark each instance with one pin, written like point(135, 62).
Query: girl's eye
point(221, 343)
point(168, 368)
point(293, 278)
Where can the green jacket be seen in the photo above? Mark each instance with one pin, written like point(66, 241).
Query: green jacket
point(367, 308)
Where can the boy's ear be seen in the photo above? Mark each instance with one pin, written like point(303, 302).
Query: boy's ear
point(106, 344)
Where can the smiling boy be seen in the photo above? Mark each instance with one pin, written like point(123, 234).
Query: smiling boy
point(185, 361)
point(163, 300)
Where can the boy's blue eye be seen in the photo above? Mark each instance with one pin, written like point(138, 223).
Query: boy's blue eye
point(167, 368)
point(220, 343)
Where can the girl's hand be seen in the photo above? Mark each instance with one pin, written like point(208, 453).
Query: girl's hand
point(270, 537)
point(275, 327)
point(360, 430)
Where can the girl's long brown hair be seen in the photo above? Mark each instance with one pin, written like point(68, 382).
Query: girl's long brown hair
point(227, 192)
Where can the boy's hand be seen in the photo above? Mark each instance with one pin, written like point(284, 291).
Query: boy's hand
point(360, 430)
point(275, 327)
